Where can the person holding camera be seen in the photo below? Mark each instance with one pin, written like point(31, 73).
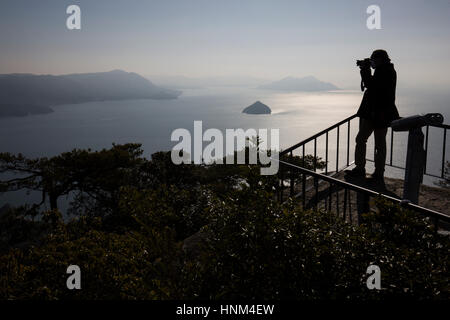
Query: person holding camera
point(376, 112)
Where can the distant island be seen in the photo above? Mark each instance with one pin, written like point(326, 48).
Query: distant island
point(257, 108)
point(23, 94)
point(291, 84)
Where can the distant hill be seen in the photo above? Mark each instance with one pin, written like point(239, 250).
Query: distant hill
point(22, 94)
point(257, 108)
point(292, 84)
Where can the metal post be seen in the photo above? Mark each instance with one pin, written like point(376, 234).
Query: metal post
point(337, 151)
point(443, 153)
point(282, 181)
point(291, 183)
point(303, 179)
point(326, 153)
point(415, 162)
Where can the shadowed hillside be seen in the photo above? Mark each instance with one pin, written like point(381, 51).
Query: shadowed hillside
point(21, 94)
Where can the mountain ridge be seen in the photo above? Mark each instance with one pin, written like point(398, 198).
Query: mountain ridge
point(27, 91)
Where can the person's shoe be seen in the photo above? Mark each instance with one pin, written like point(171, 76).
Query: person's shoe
point(356, 172)
point(377, 176)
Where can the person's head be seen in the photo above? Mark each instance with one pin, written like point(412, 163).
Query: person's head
point(379, 57)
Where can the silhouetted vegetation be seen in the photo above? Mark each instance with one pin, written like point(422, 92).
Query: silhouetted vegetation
point(149, 229)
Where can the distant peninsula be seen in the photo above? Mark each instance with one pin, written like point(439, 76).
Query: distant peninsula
point(24, 94)
point(292, 84)
point(20, 110)
point(257, 108)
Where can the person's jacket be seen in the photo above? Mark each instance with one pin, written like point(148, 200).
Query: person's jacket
point(378, 103)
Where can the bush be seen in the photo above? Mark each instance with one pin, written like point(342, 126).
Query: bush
point(214, 241)
point(261, 250)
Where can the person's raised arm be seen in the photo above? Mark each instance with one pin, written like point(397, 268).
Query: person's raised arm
point(366, 77)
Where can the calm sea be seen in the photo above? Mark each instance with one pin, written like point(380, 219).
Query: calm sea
point(97, 125)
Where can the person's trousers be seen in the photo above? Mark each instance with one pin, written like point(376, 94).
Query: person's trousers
point(365, 130)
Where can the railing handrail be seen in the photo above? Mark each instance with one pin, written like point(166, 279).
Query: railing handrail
point(348, 120)
point(317, 135)
point(299, 144)
point(443, 125)
point(408, 205)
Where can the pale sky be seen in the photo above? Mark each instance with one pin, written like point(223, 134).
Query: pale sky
point(198, 38)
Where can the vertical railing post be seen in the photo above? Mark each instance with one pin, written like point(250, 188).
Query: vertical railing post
point(326, 152)
point(415, 159)
point(291, 170)
point(443, 153)
point(282, 181)
point(303, 179)
point(426, 150)
point(348, 143)
point(315, 155)
point(337, 151)
point(316, 182)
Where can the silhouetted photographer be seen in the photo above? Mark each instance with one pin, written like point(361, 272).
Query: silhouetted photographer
point(376, 112)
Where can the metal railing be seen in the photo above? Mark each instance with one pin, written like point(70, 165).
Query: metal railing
point(326, 133)
point(444, 127)
point(335, 186)
point(312, 181)
point(314, 138)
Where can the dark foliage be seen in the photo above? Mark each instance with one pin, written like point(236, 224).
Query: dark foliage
point(147, 229)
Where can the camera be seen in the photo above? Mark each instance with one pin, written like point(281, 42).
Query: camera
point(365, 63)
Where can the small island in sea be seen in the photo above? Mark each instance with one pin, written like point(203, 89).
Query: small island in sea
point(257, 108)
